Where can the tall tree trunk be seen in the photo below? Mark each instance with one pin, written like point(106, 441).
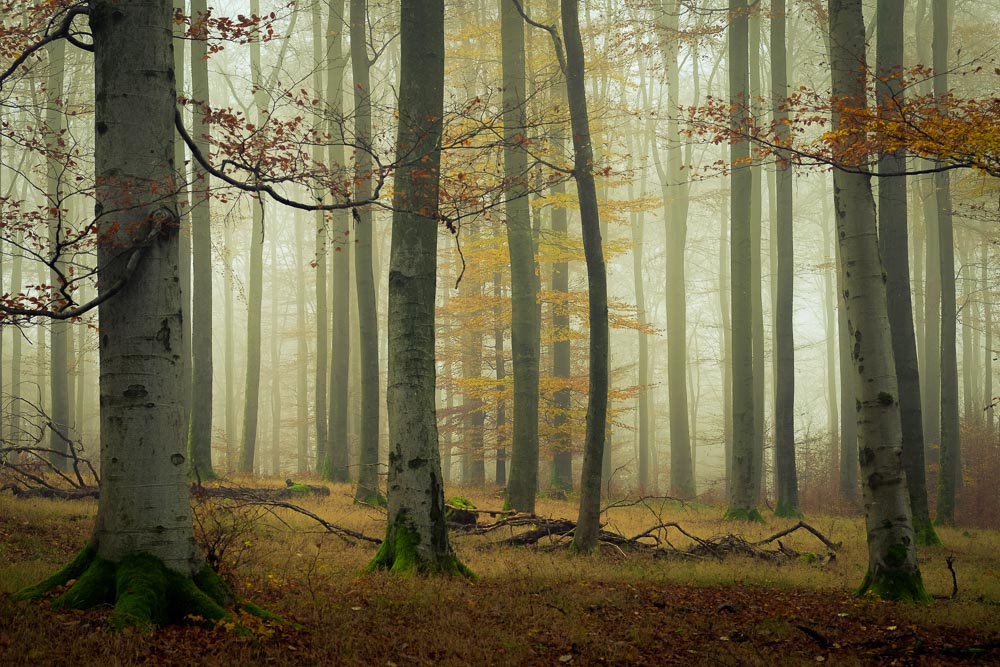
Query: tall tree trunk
point(183, 203)
point(501, 372)
point(301, 350)
point(524, 343)
point(274, 348)
point(950, 443)
point(848, 396)
point(786, 478)
point(417, 534)
point(987, 337)
point(893, 244)
point(892, 562)
point(322, 237)
point(725, 317)
point(230, 352)
point(830, 323)
point(200, 429)
point(742, 490)
point(756, 259)
point(59, 331)
point(588, 521)
point(335, 467)
point(367, 489)
point(255, 288)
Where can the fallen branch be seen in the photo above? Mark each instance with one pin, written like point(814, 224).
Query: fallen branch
point(832, 546)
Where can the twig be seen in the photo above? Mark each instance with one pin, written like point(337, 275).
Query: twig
point(950, 560)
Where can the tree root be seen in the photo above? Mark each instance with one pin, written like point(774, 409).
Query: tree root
point(143, 592)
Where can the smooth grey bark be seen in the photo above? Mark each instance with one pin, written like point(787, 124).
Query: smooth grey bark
point(184, 254)
point(59, 331)
point(230, 351)
point(987, 339)
point(893, 245)
point(674, 192)
point(367, 489)
point(725, 318)
point(848, 483)
point(892, 563)
point(322, 239)
point(145, 505)
point(417, 533)
point(786, 477)
point(500, 361)
point(830, 326)
point(756, 258)
point(335, 466)
point(274, 350)
point(950, 436)
point(200, 425)
point(522, 484)
point(301, 349)
point(255, 282)
point(742, 490)
point(588, 521)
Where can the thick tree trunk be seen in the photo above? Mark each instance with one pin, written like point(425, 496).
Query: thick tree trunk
point(892, 563)
point(742, 490)
point(200, 430)
point(588, 522)
point(523, 482)
point(786, 477)
point(322, 311)
point(367, 489)
point(417, 534)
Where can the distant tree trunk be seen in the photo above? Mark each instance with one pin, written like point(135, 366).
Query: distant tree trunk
point(971, 413)
point(756, 259)
point(892, 564)
point(59, 331)
point(950, 439)
point(335, 466)
point(417, 534)
point(742, 490)
point(727, 340)
point(322, 311)
point(786, 477)
point(255, 287)
point(274, 347)
point(230, 354)
point(501, 372)
point(367, 489)
point(524, 343)
point(830, 323)
point(638, 220)
point(200, 428)
point(301, 350)
point(562, 452)
point(987, 337)
point(675, 206)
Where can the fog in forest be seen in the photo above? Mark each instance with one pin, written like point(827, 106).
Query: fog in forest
point(274, 345)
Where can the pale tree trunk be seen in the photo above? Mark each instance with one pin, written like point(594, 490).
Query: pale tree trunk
point(59, 331)
point(200, 429)
point(950, 441)
point(987, 337)
point(523, 482)
point(143, 527)
point(301, 350)
point(322, 311)
point(367, 489)
point(893, 244)
point(848, 485)
point(786, 477)
point(892, 562)
point(230, 353)
point(830, 322)
point(184, 249)
point(417, 534)
point(742, 490)
point(588, 521)
point(255, 287)
point(725, 316)
point(756, 267)
point(638, 220)
point(970, 333)
point(675, 207)
point(500, 475)
point(335, 466)
point(473, 415)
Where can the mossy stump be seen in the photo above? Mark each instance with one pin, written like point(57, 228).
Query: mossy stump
point(460, 513)
point(751, 515)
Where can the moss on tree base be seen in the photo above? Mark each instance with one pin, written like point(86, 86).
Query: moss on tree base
point(399, 554)
point(925, 533)
point(734, 514)
point(894, 585)
point(143, 591)
point(787, 511)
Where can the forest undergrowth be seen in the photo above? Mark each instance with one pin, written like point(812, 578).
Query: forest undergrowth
point(536, 604)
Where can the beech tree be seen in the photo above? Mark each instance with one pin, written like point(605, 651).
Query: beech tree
point(892, 563)
point(142, 556)
point(417, 534)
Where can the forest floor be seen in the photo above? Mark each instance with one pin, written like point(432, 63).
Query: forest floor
point(531, 605)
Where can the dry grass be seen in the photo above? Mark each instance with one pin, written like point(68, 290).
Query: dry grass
point(536, 605)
